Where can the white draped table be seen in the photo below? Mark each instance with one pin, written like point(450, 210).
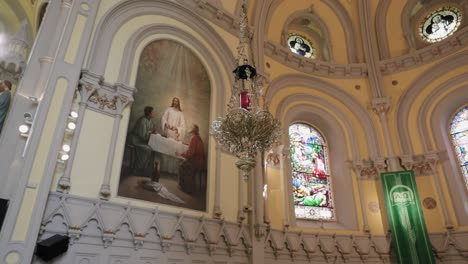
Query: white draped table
point(169, 161)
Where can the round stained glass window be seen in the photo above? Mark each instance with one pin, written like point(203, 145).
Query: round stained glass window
point(301, 46)
point(440, 24)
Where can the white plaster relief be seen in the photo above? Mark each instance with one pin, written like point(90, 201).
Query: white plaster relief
point(102, 97)
point(428, 54)
point(368, 169)
point(212, 241)
point(142, 227)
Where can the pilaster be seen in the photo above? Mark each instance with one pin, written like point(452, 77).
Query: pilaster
point(45, 93)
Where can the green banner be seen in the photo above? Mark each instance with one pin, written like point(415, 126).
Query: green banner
point(406, 219)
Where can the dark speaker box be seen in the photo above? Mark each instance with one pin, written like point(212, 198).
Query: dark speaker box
point(3, 211)
point(52, 247)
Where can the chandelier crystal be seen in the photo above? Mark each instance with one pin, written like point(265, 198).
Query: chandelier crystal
point(246, 128)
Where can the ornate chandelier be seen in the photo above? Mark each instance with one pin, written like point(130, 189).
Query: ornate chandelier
point(246, 128)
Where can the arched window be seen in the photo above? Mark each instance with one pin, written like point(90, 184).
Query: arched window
point(312, 192)
point(459, 132)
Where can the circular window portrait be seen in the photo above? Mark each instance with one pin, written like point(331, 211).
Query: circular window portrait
point(301, 46)
point(440, 24)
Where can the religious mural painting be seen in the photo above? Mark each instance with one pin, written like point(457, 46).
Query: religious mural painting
point(165, 157)
point(440, 24)
point(301, 45)
point(310, 174)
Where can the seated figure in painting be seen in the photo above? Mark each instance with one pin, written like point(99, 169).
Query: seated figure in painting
point(5, 88)
point(194, 162)
point(144, 156)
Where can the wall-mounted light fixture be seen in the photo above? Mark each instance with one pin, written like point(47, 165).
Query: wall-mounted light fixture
point(26, 126)
point(63, 154)
point(71, 125)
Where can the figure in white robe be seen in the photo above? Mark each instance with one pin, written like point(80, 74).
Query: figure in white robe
point(173, 125)
point(173, 121)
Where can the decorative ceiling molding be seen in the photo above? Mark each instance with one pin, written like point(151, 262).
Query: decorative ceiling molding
point(292, 99)
point(354, 106)
point(405, 24)
point(407, 99)
point(371, 49)
point(428, 54)
point(321, 37)
point(440, 118)
point(112, 21)
point(314, 67)
point(348, 28)
point(425, 132)
point(381, 28)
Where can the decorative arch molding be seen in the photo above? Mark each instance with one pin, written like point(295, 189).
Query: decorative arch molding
point(40, 13)
point(354, 106)
point(152, 30)
point(125, 11)
point(324, 105)
point(428, 54)
point(408, 20)
point(407, 99)
point(323, 42)
point(337, 148)
point(348, 28)
point(261, 22)
point(381, 28)
point(461, 97)
point(405, 23)
point(22, 15)
point(440, 120)
point(218, 58)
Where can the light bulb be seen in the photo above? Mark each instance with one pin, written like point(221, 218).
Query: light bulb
point(66, 147)
point(73, 114)
point(64, 157)
point(23, 129)
point(71, 126)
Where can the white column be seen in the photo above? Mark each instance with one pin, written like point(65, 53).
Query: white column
point(381, 106)
point(217, 189)
point(86, 87)
point(54, 79)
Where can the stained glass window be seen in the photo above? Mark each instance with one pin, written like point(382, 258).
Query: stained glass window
point(440, 24)
point(301, 45)
point(311, 181)
point(459, 132)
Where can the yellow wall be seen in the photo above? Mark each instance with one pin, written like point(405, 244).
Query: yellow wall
point(88, 169)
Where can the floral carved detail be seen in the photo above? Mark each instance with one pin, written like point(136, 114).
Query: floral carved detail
point(273, 159)
point(369, 169)
point(103, 101)
point(421, 164)
point(103, 97)
point(123, 99)
point(88, 88)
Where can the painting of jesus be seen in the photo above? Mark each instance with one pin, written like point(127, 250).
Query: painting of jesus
point(167, 140)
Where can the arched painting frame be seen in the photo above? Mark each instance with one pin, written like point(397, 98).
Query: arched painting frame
point(168, 166)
